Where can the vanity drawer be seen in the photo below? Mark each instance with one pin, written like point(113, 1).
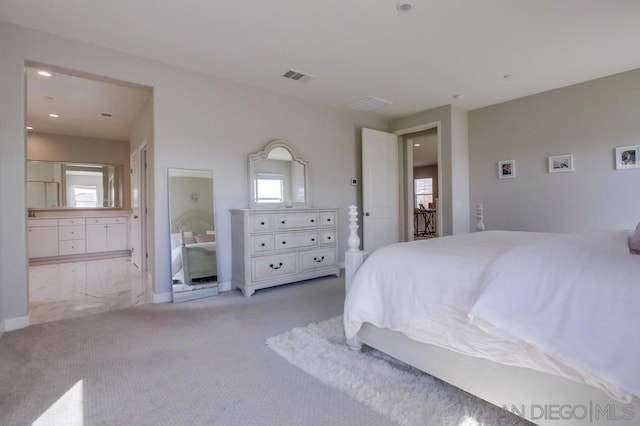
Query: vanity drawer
point(36, 223)
point(266, 267)
point(293, 240)
point(105, 220)
point(71, 247)
point(260, 222)
point(328, 236)
point(328, 218)
point(71, 232)
point(71, 222)
point(261, 243)
point(316, 259)
point(295, 220)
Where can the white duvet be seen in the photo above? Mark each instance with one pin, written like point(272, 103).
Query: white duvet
point(577, 297)
point(427, 290)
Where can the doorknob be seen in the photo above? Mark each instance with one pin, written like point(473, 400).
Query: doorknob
point(135, 216)
point(367, 214)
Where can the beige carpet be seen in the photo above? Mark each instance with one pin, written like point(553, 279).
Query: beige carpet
point(197, 363)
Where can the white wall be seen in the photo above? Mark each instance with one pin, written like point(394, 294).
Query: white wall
point(200, 122)
point(587, 120)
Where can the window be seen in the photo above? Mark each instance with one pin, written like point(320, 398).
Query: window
point(85, 196)
point(269, 188)
point(423, 191)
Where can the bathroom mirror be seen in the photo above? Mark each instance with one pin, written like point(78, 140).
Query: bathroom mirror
point(52, 185)
point(194, 265)
point(278, 178)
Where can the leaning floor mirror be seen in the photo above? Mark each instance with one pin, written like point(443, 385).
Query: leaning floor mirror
point(194, 266)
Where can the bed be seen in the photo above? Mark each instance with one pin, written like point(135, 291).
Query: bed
point(470, 316)
point(193, 249)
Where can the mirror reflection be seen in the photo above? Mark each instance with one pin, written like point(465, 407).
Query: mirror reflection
point(194, 268)
point(60, 185)
point(278, 177)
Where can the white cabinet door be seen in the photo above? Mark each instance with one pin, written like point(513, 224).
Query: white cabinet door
point(43, 241)
point(96, 238)
point(117, 236)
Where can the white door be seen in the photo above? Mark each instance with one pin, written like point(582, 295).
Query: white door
point(135, 209)
point(380, 189)
point(43, 241)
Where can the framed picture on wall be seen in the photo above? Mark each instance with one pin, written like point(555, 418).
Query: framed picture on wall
point(561, 163)
point(627, 157)
point(506, 169)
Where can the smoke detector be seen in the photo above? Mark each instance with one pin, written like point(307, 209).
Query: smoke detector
point(404, 6)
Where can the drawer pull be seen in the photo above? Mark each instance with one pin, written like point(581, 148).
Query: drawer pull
point(284, 242)
point(313, 239)
point(328, 219)
point(312, 220)
point(316, 259)
point(282, 222)
point(262, 244)
point(328, 238)
point(261, 223)
point(276, 267)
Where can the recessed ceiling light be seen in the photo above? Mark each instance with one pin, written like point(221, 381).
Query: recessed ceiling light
point(29, 128)
point(507, 76)
point(404, 6)
point(458, 96)
point(416, 144)
point(44, 73)
point(54, 115)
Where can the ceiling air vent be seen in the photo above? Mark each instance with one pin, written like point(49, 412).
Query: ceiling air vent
point(368, 103)
point(106, 114)
point(297, 75)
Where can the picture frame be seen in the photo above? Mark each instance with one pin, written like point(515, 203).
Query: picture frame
point(506, 169)
point(628, 157)
point(561, 163)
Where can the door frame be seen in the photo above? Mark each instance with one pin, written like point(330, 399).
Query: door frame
point(407, 218)
point(143, 179)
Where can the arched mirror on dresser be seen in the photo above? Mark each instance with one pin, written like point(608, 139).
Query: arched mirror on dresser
point(194, 266)
point(278, 178)
point(281, 238)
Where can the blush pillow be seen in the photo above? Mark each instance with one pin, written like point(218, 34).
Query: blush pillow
point(205, 238)
point(634, 241)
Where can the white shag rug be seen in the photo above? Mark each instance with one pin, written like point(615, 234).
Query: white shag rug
point(390, 387)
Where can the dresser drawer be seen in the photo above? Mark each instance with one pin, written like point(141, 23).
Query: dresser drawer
point(316, 259)
point(263, 268)
point(71, 221)
point(327, 236)
point(260, 222)
point(71, 232)
point(71, 247)
point(293, 240)
point(295, 220)
point(261, 243)
point(106, 220)
point(328, 218)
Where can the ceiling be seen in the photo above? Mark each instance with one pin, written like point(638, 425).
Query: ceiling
point(80, 102)
point(417, 60)
point(426, 153)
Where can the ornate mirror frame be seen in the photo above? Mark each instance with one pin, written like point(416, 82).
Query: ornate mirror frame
point(263, 155)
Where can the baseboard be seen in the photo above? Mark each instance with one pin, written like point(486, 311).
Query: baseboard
point(162, 297)
point(16, 323)
point(225, 286)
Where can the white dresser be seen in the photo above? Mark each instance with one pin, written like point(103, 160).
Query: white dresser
point(273, 247)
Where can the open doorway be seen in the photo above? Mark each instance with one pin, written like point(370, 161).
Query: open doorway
point(82, 130)
point(422, 184)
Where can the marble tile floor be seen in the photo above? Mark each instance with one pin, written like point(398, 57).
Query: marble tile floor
point(74, 289)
